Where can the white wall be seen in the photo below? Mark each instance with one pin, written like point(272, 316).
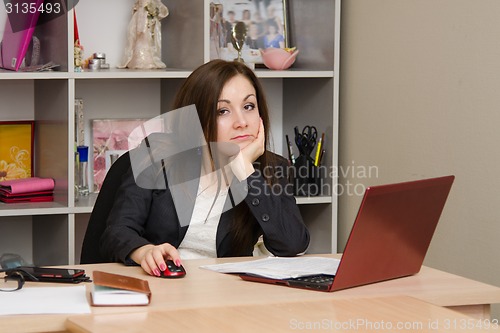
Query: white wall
point(420, 97)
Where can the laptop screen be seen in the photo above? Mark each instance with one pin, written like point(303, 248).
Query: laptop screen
point(392, 231)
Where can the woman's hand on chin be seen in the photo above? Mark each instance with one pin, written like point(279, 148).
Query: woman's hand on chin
point(254, 149)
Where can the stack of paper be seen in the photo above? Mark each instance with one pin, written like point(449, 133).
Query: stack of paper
point(33, 189)
point(280, 267)
point(44, 300)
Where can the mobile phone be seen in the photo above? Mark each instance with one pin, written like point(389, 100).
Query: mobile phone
point(47, 274)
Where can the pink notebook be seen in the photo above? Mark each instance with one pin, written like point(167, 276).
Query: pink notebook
point(27, 185)
point(19, 28)
point(27, 198)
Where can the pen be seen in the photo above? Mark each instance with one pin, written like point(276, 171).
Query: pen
point(290, 150)
point(318, 150)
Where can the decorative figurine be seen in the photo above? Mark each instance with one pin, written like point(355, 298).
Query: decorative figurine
point(144, 35)
point(279, 59)
point(217, 36)
point(78, 56)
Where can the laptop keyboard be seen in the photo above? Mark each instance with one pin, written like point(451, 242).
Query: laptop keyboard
point(316, 279)
point(316, 282)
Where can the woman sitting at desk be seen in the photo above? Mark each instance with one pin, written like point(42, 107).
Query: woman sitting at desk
point(143, 226)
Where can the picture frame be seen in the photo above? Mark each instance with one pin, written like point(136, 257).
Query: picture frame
point(16, 149)
point(113, 137)
point(263, 18)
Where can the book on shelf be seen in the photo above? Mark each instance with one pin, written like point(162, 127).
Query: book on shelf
point(32, 189)
point(109, 289)
point(42, 196)
point(27, 185)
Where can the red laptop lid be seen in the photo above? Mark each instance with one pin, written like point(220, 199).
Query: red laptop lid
point(392, 231)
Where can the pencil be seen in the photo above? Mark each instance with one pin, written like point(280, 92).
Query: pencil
point(318, 150)
point(321, 157)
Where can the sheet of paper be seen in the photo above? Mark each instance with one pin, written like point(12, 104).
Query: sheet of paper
point(44, 300)
point(279, 267)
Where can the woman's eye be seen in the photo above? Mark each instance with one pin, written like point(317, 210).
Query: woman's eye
point(249, 106)
point(222, 112)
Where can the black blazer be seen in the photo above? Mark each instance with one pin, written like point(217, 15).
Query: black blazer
point(142, 216)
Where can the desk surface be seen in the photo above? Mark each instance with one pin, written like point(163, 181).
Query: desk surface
point(207, 289)
point(385, 314)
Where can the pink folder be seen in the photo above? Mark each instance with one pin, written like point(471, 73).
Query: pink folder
point(19, 28)
point(34, 197)
point(27, 185)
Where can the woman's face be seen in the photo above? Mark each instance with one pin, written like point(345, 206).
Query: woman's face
point(238, 117)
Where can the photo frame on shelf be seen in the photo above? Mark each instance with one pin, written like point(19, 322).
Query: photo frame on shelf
point(16, 149)
point(266, 26)
point(109, 138)
point(113, 137)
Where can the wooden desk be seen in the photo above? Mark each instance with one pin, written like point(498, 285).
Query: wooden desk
point(206, 289)
point(386, 314)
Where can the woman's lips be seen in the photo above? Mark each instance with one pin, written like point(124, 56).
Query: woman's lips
point(242, 137)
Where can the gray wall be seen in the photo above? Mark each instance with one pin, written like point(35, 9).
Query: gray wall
point(420, 97)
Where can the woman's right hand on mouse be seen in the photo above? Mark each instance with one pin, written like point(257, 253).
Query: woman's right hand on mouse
point(152, 257)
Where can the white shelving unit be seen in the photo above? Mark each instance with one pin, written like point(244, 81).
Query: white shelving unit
point(307, 94)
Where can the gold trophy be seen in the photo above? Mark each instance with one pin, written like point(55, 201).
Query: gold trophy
point(238, 36)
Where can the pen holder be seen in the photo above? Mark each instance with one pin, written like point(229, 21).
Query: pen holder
point(308, 178)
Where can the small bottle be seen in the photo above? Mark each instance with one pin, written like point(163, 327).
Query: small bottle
point(77, 175)
point(83, 178)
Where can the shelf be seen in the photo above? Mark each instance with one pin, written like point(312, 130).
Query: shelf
point(27, 209)
point(179, 74)
point(307, 93)
point(86, 203)
point(117, 73)
point(293, 73)
point(150, 74)
point(313, 200)
point(10, 75)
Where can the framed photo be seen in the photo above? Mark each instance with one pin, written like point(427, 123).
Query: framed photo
point(266, 26)
point(16, 149)
point(113, 137)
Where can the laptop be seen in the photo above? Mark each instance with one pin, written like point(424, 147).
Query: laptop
point(389, 239)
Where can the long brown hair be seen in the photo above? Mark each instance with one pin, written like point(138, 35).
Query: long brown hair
point(203, 89)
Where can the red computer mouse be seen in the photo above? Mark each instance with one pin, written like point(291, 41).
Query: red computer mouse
point(173, 271)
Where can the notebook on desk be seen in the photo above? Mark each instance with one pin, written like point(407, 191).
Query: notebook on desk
point(389, 239)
